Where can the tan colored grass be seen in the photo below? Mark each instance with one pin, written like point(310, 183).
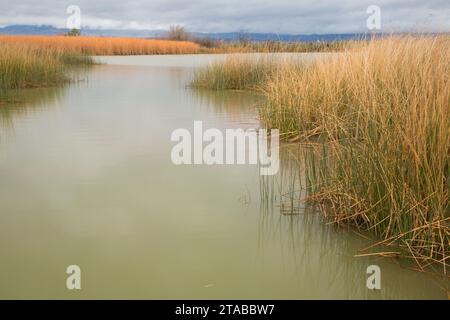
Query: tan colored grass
point(384, 110)
point(275, 46)
point(22, 66)
point(105, 45)
point(236, 72)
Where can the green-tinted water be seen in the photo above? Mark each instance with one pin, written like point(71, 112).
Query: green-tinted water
point(86, 178)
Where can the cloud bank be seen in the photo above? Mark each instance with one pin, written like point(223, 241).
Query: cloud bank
point(278, 16)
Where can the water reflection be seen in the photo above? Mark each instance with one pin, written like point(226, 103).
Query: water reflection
point(233, 107)
point(23, 103)
point(20, 104)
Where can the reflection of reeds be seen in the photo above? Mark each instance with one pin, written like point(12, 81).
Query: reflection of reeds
point(236, 107)
point(288, 189)
point(31, 100)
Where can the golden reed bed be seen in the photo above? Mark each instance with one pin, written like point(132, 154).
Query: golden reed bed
point(105, 45)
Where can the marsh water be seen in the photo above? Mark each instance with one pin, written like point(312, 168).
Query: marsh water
point(86, 179)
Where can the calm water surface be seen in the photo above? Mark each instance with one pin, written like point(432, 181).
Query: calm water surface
point(86, 179)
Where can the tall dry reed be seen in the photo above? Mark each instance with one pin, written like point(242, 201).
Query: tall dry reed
point(26, 66)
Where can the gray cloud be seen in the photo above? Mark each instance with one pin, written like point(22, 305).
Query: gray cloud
point(281, 16)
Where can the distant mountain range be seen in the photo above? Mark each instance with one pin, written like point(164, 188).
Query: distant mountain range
point(228, 36)
point(50, 30)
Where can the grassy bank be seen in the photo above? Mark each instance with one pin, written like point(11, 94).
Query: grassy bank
point(105, 45)
point(91, 45)
point(211, 46)
point(382, 113)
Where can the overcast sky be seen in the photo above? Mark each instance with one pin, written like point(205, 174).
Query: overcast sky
point(279, 16)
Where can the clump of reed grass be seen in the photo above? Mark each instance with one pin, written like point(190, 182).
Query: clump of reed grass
point(381, 112)
point(384, 110)
point(26, 65)
point(237, 72)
